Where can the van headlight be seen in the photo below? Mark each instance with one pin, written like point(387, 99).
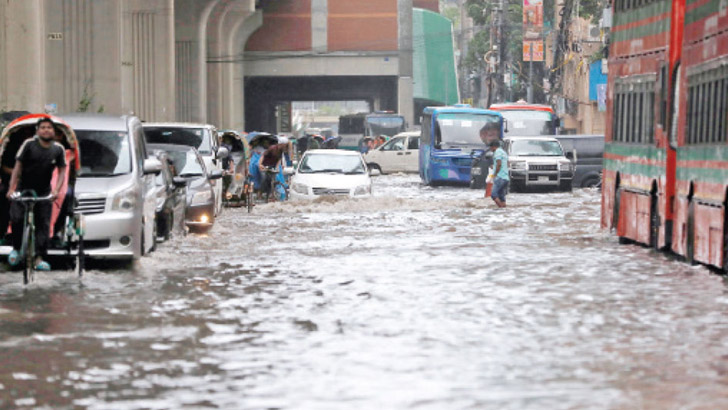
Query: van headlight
point(565, 166)
point(124, 200)
point(201, 198)
point(518, 165)
point(300, 188)
point(363, 190)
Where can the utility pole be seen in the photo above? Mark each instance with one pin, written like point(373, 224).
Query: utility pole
point(529, 90)
point(502, 50)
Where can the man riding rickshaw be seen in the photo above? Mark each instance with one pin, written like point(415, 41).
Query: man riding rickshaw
point(39, 183)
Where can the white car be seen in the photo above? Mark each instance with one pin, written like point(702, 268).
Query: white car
point(323, 172)
point(200, 136)
point(399, 154)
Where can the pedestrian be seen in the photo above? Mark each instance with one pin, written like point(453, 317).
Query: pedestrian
point(35, 162)
point(500, 184)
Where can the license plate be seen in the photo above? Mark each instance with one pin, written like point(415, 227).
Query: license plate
point(543, 179)
point(477, 171)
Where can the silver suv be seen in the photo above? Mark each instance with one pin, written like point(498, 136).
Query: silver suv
point(538, 162)
point(115, 186)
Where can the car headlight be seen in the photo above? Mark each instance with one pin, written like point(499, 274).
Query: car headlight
point(518, 165)
point(363, 190)
point(565, 166)
point(300, 188)
point(124, 200)
point(200, 198)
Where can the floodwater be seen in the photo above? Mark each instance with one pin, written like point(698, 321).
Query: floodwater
point(417, 298)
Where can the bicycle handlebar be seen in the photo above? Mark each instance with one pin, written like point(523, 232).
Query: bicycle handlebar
point(18, 197)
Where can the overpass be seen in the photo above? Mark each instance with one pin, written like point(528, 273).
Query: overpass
point(225, 62)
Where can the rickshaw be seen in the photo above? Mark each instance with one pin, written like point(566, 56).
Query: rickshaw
point(69, 240)
point(239, 190)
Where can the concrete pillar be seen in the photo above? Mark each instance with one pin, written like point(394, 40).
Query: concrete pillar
point(84, 59)
point(191, 18)
point(148, 39)
point(22, 55)
point(405, 89)
point(237, 102)
point(3, 59)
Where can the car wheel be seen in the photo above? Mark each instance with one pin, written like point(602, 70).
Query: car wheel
point(377, 167)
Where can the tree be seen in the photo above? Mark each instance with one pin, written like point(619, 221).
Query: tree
point(483, 15)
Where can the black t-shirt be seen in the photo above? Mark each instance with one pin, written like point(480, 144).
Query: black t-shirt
point(38, 165)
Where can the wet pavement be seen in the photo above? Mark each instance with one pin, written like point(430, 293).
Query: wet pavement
point(417, 298)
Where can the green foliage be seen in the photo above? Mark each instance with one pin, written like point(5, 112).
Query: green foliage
point(86, 100)
point(452, 13)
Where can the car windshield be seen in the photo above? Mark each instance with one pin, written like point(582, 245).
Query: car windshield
point(388, 126)
point(529, 123)
point(186, 164)
point(104, 153)
point(192, 137)
point(536, 148)
point(322, 163)
point(458, 129)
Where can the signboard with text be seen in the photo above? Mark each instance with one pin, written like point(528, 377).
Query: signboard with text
point(537, 50)
point(533, 30)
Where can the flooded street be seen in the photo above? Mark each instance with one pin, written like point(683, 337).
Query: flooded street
point(417, 298)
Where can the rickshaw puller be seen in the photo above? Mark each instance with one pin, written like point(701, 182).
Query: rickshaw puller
point(34, 165)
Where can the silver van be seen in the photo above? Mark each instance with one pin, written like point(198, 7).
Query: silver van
point(115, 186)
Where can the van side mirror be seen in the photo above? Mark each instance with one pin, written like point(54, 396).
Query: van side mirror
point(222, 153)
point(152, 166)
point(179, 182)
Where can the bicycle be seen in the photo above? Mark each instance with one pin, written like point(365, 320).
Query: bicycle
point(248, 193)
point(277, 189)
point(27, 250)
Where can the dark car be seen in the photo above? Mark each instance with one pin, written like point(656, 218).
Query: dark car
point(589, 158)
point(189, 165)
point(482, 161)
point(171, 195)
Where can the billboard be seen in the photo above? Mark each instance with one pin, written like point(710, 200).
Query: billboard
point(533, 30)
point(537, 47)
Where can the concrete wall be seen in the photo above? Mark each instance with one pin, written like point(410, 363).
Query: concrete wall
point(186, 59)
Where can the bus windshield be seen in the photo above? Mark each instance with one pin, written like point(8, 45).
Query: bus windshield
point(529, 122)
point(455, 129)
point(381, 125)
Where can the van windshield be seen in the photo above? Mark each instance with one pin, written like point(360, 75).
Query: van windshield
point(192, 137)
point(529, 122)
point(186, 163)
point(104, 153)
point(536, 148)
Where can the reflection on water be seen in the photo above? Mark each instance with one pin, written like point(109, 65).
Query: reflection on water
point(418, 297)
